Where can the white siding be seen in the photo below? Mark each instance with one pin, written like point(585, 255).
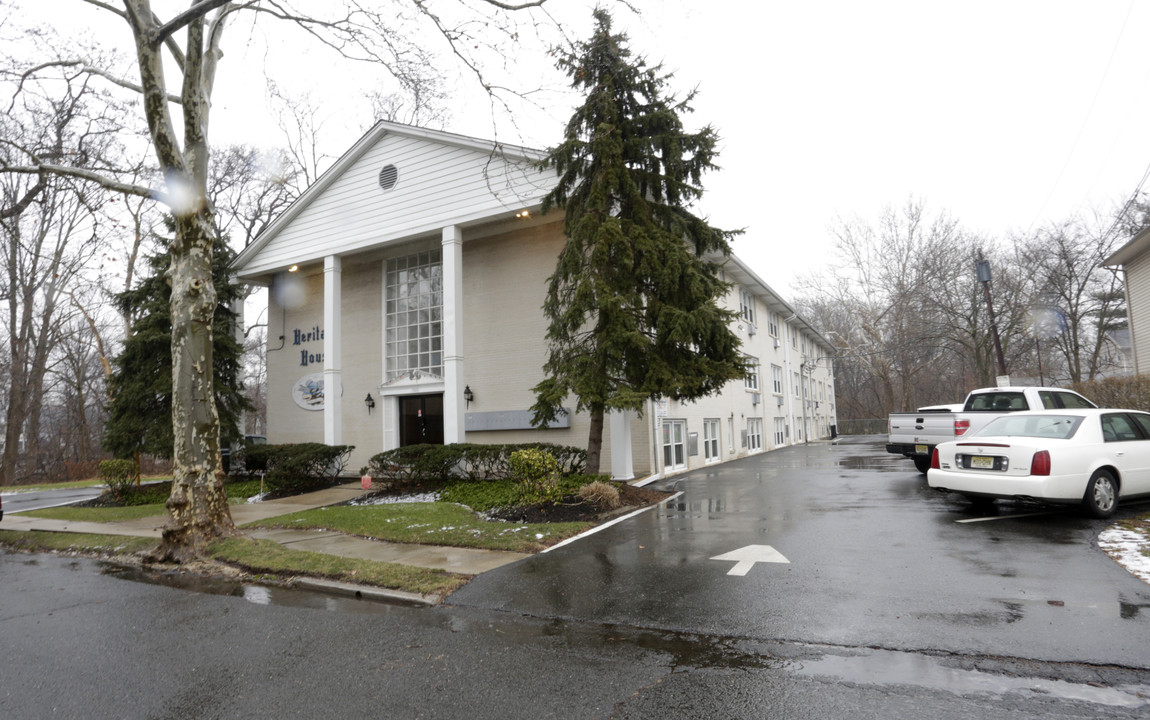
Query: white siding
point(439, 185)
point(1138, 295)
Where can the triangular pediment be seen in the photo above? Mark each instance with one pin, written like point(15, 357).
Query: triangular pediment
point(398, 183)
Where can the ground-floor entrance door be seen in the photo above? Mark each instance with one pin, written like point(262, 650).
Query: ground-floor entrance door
point(421, 419)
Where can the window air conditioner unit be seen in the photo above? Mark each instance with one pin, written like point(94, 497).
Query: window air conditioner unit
point(777, 343)
point(780, 401)
point(756, 398)
point(751, 329)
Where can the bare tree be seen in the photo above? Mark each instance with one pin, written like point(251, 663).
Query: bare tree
point(1077, 301)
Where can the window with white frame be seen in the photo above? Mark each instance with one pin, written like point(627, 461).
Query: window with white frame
point(711, 440)
point(415, 314)
point(731, 434)
point(777, 379)
point(752, 378)
point(798, 386)
point(674, 444)
point(747, 305)
point(754, 434)
point(780, 431)
point(773, 324)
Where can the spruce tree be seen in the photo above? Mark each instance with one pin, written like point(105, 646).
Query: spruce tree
point(634, 304)
point(140, 413)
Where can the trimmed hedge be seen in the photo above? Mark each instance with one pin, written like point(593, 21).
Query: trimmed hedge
point(118, 475)
point(298, 467)
point(415, 464)
point(1130, 391)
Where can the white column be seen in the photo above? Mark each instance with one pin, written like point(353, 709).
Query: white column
point(453, 379)
point(622, 464)
point(332, 354)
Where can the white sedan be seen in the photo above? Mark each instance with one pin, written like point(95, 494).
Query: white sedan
point(1092, 457)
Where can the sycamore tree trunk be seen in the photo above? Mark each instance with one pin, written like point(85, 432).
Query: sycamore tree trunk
point(198, 506)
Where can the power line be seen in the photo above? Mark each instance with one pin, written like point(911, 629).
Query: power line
point(1086, 119)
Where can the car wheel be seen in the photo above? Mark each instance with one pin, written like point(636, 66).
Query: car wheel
point(922, 463)
point(1101, 498)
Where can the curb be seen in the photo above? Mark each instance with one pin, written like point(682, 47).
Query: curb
point(365, 592)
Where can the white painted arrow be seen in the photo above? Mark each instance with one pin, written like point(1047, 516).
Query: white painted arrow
point(745, 558)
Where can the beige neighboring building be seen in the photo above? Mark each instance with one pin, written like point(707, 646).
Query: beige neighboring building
point(1134, 259)
point(411, 278)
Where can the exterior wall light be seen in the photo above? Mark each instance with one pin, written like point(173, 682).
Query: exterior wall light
point(293, 268)
point(468, 395)
point(370, 402)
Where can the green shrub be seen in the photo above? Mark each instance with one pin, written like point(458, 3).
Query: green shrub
point(300, 467)
point(440, 464)
point(118, 475)
point(537, 476)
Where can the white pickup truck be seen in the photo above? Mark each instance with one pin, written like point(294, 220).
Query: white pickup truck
point(915, 434)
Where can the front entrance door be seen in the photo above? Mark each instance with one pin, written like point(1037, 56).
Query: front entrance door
point(421, 419)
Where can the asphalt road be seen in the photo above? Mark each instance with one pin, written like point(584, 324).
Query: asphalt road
point(38, 499)
point(888, 608)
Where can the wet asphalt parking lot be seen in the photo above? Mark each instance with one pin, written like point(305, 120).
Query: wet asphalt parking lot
point(876, 560)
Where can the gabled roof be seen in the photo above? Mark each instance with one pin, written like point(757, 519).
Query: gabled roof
point(1139, 244)
point(496, 154)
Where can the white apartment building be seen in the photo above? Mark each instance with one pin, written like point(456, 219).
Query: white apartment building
point(411, 277)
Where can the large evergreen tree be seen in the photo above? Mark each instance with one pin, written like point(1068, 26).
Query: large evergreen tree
point(140, 413)
point(633, 304)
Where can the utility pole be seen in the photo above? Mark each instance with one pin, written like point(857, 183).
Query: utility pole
point(982, 270)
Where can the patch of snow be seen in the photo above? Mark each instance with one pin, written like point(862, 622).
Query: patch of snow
point(257, 498)
point(428, 497)
point(1125, 546)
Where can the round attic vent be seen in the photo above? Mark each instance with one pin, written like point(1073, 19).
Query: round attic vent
point(388, 176)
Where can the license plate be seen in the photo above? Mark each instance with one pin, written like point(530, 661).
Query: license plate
point(981, 462)
point(920, 449)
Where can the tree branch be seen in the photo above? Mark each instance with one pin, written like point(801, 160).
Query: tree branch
point(22, 204)
point(89, 176)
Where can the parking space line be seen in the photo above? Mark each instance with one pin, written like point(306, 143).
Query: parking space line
point(1007, 517)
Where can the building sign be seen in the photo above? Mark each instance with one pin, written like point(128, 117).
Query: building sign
point(314, 334)
point(510, 420)
point(308, 392)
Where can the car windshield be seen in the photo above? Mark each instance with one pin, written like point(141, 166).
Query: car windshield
point(1003, 401)
point(1039, 426)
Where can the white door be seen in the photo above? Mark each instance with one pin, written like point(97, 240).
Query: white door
point(674, 444)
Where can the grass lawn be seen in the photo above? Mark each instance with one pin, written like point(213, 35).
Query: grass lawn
point(429, 524)
point(104, 514)
point(37, 541)
point(265, 556)
point(150, 501)
point(93, 482)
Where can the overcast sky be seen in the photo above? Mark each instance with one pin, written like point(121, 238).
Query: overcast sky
point(1006, 114)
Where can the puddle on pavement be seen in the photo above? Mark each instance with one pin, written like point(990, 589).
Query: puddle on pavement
point(884, 667)
point(252, 592)
point(893, 463)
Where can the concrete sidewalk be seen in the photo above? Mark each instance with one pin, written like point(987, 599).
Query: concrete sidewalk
point(466, 561)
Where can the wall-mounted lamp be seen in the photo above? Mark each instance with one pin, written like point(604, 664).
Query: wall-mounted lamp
point(293, 268)
point(468, 395)
point(523, 214)
point(370, 402)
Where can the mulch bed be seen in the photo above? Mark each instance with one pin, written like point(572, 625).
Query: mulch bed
point(572, 509)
